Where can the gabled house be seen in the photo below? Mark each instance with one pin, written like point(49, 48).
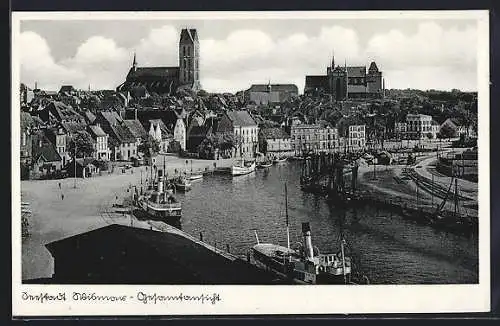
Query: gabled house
point(122, 142)
point(101, 146)
point(46, 161)
point(159, 131)
point(67, 90)
point(274, 142)
point(245, 130)
point(59, 137)
point(135, 127)
point(180, 133)
point(459, 127)
point(85, 168)
point(59, 112)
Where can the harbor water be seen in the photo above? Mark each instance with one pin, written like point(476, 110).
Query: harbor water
point(227, 211)
point(389, 249)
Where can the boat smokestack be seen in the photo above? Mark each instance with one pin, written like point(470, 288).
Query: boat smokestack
point(308, 248)
point(160, 181)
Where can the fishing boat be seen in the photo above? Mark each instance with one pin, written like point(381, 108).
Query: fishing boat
point(243, 167)
point(182, 183)
point(305, 264)
point(159, 204)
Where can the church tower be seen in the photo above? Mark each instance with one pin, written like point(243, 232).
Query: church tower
point(189, 59)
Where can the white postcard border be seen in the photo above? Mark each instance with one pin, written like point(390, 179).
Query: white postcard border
point(264, 299)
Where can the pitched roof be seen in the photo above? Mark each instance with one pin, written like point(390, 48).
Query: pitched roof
point(199, 131)
point(456, 122)
point(153, 72)
point(47, 150)
point(316, 81)
point(136, 128)
point(97, 131)
point(66, 88)
point(273, 133)
point(274, 88)
point(122, 134)
point(200, 265)
point(72, 127)
point(63, 111)
point(373, 67)
point(85, 161)
point(159, 122)
point(89, 116)
point(111, 117)
point(356, 71)
point(241, 118)
point(189, 35)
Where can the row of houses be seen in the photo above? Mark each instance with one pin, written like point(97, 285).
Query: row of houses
point(419, 126)
point(47, 134)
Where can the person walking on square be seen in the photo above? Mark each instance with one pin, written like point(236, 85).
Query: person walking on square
point(62, 196)
point(59, 185)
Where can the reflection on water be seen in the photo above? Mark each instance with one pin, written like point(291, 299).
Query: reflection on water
point(388, 248)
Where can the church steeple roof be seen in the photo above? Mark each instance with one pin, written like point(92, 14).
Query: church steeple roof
point(134, 63)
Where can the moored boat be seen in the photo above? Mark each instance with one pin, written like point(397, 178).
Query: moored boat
point(243, 167)
point(280, 160)
point(160, 205)
point(305, 264)
point(182, 183)
point(264, 165)
point(195, 176)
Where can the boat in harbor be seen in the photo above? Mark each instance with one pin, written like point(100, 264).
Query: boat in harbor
point(195, 176)
point(279, 160)
point(264, 164)
point(243, 167)
point(160, 204)
point(305, 264)
point(182, 183)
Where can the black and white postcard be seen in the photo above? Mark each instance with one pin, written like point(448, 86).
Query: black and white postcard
point(209, 163)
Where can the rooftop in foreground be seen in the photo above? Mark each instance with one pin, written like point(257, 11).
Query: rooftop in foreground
point(119, 254)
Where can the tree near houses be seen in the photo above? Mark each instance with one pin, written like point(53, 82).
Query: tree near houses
point(149, 147)
point(207, 148)
point(174, 147)
point(447, 132)
point(92, 102)
point(84, 145)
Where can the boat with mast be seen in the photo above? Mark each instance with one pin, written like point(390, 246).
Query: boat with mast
point(464, 223)
point(160, 203)
point(191, 176)
point(242, 166)
point(304, 265)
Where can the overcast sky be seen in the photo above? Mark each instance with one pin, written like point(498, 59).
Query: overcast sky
point(423, 54)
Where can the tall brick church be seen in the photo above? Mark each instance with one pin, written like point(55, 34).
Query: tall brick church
point(166, 80)
point(347, 82)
